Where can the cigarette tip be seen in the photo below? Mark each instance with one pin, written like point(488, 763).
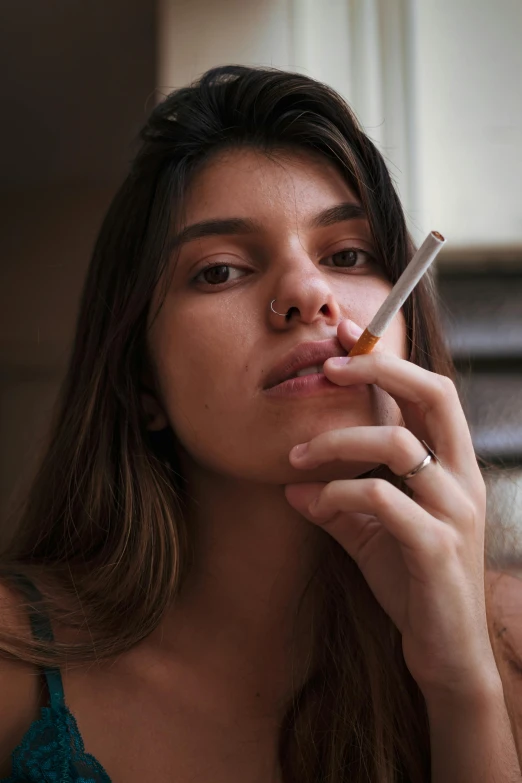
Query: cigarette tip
point(438, 236)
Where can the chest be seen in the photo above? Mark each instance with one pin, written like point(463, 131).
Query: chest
point(138, 733)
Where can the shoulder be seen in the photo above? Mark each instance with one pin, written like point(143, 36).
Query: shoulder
point(21, 685)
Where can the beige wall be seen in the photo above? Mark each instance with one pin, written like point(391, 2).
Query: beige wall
point(194, 35)
point(469, 119)
point(435, 83)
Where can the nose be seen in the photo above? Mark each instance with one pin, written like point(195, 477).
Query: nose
point(307, 311)
point(303, 296)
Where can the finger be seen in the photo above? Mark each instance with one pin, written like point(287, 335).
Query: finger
point(412, 526)
point(434, 397)
point(395, 447)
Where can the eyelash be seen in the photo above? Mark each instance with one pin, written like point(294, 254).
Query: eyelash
point(338, 252)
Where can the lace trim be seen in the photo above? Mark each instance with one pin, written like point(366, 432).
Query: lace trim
point(52, 751)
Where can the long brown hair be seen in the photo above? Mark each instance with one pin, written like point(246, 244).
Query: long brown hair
point(102, 530)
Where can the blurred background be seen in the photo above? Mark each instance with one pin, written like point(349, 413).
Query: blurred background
point(436, 85)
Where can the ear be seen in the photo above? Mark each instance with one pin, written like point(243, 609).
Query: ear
point(155, 417)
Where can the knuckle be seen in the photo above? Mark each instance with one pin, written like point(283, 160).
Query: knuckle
point(468, 513)
point(445, 387)
point(378, 492)
point(402, 439)
point(328, 494)
point(448, 544)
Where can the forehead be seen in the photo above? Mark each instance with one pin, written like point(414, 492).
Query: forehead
point(283, 184)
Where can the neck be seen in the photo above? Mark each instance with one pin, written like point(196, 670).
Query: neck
point(235, 619)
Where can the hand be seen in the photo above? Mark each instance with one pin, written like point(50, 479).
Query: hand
point(422, 557)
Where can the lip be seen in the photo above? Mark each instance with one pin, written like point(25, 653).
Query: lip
point(308, 385)
point(305, 355)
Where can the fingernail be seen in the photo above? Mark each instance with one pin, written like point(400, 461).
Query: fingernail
point(314, 505)
point(339, 361)
point(299, 451)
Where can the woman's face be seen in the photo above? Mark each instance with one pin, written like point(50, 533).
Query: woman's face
point(216, 338)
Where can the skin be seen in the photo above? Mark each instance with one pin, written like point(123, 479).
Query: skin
point(249, 498)
point(211, 349)
point(208, 688)
point(506, 609)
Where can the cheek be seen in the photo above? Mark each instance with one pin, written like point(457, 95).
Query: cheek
point(368, 302)
point(209, 394)
point(205, 386)
point(395, 338)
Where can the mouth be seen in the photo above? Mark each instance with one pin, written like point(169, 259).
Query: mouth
point(305, 360)
point(311, 384)
point(313, 370)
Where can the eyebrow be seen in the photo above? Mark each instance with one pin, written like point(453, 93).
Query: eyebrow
point(238, 226)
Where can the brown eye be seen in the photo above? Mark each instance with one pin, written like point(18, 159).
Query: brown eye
point(347, 257)
point(215, 274)
point(351, 258)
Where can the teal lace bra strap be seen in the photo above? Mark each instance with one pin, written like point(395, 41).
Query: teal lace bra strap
point(41, 629)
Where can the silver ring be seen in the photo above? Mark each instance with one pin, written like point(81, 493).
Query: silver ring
point(275, 311)
point(430, 457)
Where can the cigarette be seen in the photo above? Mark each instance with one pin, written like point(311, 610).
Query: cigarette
point(418, 265)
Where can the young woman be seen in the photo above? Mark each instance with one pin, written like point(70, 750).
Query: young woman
point(186, 597)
